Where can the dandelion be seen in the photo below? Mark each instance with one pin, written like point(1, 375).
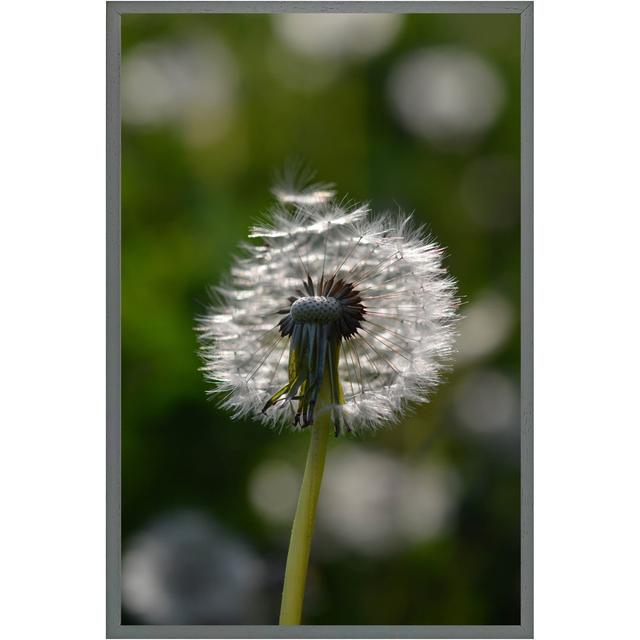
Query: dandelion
point(333, 317)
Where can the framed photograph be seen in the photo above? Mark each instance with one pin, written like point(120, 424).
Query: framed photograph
point(320, 319)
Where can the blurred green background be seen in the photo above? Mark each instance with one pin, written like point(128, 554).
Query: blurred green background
point(420, 523)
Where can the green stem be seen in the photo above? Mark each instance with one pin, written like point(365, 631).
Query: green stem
point(295, 574)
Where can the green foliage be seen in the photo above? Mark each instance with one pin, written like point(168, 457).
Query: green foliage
point(185, 207)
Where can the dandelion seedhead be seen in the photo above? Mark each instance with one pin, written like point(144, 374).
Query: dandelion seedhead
point(335, 310)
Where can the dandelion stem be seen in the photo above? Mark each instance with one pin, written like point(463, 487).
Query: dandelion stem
point(300, 543)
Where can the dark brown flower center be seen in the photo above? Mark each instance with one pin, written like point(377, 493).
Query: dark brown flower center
point(317, 320)
point(332, 301)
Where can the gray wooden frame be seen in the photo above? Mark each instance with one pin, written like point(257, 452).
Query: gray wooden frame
point(113, 606)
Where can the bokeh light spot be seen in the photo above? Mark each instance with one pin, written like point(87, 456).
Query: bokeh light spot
point(447, 95)
point(487, 401)
point(189, 82)
point(375, 503)
point(273, 490)
point(337, 35)
point(183, 568)
point(487, 323)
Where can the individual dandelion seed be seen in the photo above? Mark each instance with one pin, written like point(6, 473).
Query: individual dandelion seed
point(334, 316)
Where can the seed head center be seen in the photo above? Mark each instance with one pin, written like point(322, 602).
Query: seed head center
point(315, 309)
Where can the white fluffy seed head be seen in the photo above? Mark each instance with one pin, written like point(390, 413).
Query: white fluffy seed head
point(396, 356)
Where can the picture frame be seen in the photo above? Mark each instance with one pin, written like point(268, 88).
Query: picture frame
point(114, 626)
